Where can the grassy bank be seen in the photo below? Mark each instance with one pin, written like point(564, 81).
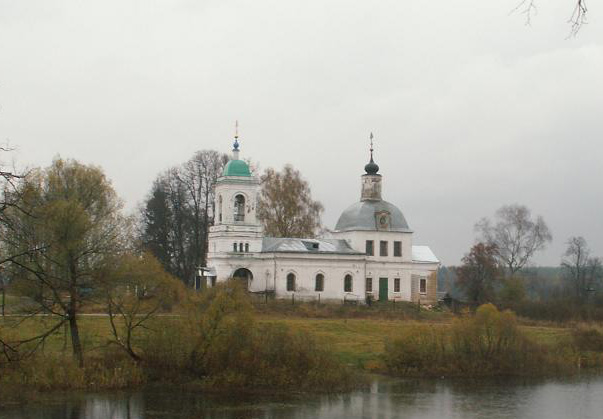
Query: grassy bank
point(293, 349)
point(216, 344)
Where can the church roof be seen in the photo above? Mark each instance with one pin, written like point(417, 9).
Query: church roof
point(236, 168)
point(423, 254)
point(362, 216)
point(317, 246)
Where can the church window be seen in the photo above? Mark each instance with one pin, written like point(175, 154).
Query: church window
point(291, 282)
point(239, 208)
point(240, 247)
point(220, 208)
point(347, 283)
point(398, 249)
point(369, 284)
point(320, 283)
point(370, 251)
point(247, 247)
point(382, 248)
point(396, 284)
point(234, 247)
point(423, 286)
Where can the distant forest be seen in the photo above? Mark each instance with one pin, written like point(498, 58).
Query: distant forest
point(540, 282)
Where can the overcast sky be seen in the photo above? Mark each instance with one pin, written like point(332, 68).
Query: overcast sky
point(470, 108)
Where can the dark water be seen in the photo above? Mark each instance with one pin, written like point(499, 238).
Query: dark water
point(386, 398)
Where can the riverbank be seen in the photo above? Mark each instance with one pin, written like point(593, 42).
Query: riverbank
point(575, 397)
point(329, 354)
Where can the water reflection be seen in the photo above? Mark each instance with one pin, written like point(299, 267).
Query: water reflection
point(385, 399)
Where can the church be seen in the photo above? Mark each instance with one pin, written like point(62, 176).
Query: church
point(369, 255)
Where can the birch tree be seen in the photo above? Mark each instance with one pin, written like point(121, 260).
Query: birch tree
point(285, 205)
point(582, 272)
point(515, 236)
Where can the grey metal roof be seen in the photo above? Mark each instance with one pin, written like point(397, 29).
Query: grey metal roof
point(361, 216)
point(295, 245)
point(423, 254)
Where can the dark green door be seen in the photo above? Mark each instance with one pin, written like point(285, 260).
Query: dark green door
point(383, 289)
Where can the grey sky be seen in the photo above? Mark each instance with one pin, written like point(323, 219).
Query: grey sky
point(470, 108)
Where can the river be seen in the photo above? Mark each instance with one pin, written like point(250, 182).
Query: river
point(580, 398)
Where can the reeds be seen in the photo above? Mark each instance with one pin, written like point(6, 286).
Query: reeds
point(490, 343)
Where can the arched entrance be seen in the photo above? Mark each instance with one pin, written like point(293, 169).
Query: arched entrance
point(244, 275)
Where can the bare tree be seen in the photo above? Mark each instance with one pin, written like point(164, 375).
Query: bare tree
point(7, 176)
point(179, 211)
point(515, 235)
point(583, 272)
point(285, 205)
point(198, 176)
point(9, 193)
point(577, 19)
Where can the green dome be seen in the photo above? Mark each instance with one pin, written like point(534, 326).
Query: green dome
point(236, 168)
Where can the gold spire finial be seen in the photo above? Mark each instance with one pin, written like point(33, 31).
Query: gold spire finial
point(237, 128)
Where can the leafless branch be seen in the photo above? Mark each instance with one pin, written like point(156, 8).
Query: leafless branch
point(578, 17)
point(12, 351)
point(527, 8)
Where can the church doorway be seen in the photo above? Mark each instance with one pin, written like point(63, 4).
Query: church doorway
point(383, 289)
point(244, 275)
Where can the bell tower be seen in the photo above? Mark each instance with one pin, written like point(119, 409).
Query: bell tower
point(236, 227)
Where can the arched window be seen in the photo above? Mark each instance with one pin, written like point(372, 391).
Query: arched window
point(320, 283)
point(220, 208)
point(234, 247)
point(241, 247)
point(247, 247)
point(239, 208)
point(347, 283)
point(291, 282)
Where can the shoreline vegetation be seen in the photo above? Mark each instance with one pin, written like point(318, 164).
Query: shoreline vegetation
point(220, 341)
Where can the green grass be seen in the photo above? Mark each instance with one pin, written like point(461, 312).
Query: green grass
point(357, 342)
point(361, 342)
point(547, 335)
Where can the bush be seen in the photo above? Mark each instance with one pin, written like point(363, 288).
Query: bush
point(274, 357)
point(419, 349)
point(513, 291)
point(557, 310)
point(588, 339)
point(488, 343)
point(43, 372)
point(219, 345)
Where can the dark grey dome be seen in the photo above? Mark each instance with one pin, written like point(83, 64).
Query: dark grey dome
point(362, 216)
point(371, 167)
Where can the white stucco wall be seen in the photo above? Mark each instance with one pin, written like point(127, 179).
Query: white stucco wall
point(357, 240)
point(270, 272)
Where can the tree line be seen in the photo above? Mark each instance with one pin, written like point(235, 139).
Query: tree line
point(497, 268)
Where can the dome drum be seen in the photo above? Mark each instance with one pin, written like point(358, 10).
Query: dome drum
point(372, 216)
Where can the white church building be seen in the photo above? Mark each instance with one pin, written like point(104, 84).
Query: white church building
point(369, 254)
